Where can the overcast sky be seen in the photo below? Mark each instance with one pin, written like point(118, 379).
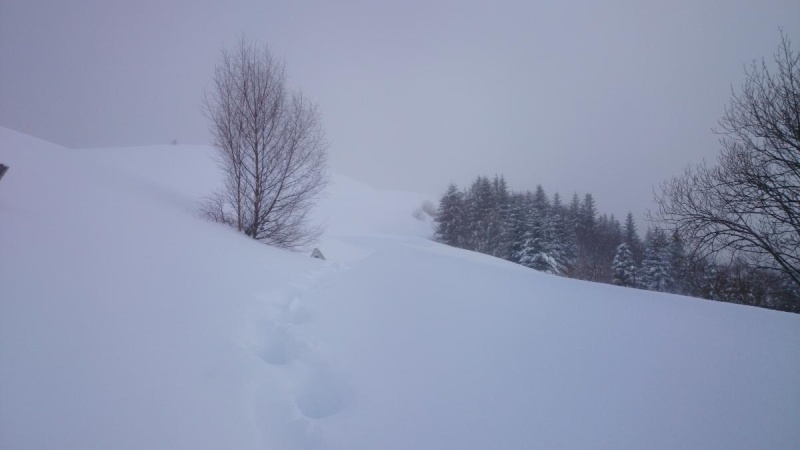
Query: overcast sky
point(605, 97)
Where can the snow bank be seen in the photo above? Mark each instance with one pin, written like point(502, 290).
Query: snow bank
point(128, 322)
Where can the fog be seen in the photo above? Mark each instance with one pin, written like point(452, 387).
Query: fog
point(605, 98)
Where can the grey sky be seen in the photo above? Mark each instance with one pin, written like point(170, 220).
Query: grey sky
point(606, 97)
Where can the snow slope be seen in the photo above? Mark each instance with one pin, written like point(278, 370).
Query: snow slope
point(128, 322)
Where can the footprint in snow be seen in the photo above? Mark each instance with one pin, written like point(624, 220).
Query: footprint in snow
point(279, 346)
point(318, 391)
point(322, 393)
point(271, 337)
point(295, 312)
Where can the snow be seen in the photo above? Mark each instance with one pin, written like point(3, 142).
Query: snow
point(126, 321)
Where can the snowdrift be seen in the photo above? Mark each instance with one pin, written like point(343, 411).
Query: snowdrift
point(126, 321)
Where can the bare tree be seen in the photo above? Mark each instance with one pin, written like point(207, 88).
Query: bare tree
point(748, 205)
point(271, 146)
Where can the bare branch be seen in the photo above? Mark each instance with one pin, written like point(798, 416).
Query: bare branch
point(748, 205)
point(271, 147)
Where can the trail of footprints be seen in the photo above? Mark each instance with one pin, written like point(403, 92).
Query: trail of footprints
point(318, 391)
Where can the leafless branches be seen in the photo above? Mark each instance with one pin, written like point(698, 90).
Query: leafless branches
point(749, 203)
point(271, 146)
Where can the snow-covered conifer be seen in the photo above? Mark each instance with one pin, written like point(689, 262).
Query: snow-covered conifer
point(631, 237)
point(623, 267)
point(450, 217)
point(656, 271)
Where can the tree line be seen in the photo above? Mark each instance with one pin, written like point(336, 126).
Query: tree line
point(572, 239)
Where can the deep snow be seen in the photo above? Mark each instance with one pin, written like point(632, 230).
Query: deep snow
point(128, 322)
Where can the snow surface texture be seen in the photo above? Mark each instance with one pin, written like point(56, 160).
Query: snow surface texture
point(127, 322)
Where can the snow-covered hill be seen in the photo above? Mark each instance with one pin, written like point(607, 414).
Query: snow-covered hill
point(128, 322)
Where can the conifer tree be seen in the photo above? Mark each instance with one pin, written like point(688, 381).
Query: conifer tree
point(540, 200)
point(499, 237)
point(450, 217)
point(588, 265)
point(606, 238)
point(537, 240)
point(588, 214)
point(533, 252)
point(480, 208)
point(556, 204)
point(574, 207)
point(656, 273)
point(517, 225)
point(623, 267)
point(631, 237)
point(530, 242)
point(562, 247)
point(678, 265)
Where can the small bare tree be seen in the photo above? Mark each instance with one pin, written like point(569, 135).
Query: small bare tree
point(748, 205)
point(271, 146)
